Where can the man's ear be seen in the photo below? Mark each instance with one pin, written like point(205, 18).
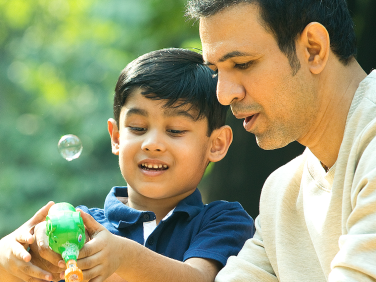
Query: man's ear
point(316, 43)
point(114, 134)
point(221, 139)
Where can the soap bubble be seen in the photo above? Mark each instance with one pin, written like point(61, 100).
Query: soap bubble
point(70, 147)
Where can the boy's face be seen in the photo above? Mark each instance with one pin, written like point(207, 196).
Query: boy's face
point(163, 152)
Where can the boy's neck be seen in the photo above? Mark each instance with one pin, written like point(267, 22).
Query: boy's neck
point(160, 207)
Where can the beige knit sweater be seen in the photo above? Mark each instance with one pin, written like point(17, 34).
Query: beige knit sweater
point(317, 226)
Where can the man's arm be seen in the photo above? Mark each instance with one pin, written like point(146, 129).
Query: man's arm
point(356, 258)
point(251, 264)
point(107, 253)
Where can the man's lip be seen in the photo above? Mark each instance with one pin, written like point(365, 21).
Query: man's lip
point(243, 115)
point(249, 121)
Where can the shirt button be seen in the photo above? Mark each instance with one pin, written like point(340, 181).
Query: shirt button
point(151, 241)
point(146, 217)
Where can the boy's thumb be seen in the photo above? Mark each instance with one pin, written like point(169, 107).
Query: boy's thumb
point(91, 225)
point(40, 215)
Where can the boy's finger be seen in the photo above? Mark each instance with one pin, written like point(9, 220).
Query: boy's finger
point(20, 253)
point(91, 225)
point(41, 250)
point(34, 273)
point(46, 265)
point(24, 236)
point(40, 215)
point(92, 274)
point(40, 235)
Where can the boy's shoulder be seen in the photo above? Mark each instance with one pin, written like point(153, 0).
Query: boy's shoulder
point(225, 213)
point(191, 209)
point(194, 206)
point(219, 212)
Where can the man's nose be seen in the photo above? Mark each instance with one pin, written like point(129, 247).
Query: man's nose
point(153, 142)
point(228, 89)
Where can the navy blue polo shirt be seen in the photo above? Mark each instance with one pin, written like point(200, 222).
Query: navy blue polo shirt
point(212, 231)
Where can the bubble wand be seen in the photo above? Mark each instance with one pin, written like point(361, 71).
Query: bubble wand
point(64, 225)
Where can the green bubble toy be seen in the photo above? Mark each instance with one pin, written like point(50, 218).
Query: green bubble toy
point(66, 232)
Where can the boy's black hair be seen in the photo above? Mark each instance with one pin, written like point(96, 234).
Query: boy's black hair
point(286, 19)
point(177, 76)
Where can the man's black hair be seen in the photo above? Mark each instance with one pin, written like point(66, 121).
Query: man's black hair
point(286, 20)
point(177, 76)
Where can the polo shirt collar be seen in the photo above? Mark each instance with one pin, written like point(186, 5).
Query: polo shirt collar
point(191, 205)
point(120, 215)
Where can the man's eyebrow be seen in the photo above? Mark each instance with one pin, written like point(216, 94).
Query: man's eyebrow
point(229, 56)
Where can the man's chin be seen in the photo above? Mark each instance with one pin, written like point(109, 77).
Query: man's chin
point(270, 143)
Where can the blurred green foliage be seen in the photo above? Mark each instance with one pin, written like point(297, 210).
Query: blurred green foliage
point(59, 62)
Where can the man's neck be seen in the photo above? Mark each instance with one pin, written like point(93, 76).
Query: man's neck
point(337, 89)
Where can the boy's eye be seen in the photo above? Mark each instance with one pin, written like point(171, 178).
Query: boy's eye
point(137, 130)
point(176, 132)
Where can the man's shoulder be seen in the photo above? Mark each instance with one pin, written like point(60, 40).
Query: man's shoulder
point(291, 170)
point(284, 180)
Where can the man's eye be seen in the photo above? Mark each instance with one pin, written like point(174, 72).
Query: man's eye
point(243, 66)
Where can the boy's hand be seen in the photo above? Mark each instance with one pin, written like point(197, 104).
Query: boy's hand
point(14, 257)
point(99, 258)
point(43, 256)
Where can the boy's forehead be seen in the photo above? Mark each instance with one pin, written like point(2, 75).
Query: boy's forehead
point(181, 109)
point(146, 106)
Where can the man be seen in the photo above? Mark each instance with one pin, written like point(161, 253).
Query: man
point(287, 68)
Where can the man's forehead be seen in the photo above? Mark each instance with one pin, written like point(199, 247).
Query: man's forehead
point(233, 32)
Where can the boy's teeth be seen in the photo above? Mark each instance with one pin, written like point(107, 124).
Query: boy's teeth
point(155, 166)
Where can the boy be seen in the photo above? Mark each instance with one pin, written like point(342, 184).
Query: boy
point(167, 128)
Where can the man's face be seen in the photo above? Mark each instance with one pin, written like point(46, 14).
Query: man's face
point(255, 77)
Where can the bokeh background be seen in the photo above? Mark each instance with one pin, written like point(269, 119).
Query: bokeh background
point(59, 62)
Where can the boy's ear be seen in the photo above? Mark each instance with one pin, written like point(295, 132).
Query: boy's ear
point(114, 134)
point(316, 43)
point(221, 139)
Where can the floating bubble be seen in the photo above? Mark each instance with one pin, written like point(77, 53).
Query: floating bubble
point(70, 147)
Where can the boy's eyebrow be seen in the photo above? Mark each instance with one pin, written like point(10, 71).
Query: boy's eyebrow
point(136, 111)
point(171, 112)
point(229, 56)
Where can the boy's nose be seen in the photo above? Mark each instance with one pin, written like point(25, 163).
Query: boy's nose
point(153, 143)
point(228, 89)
